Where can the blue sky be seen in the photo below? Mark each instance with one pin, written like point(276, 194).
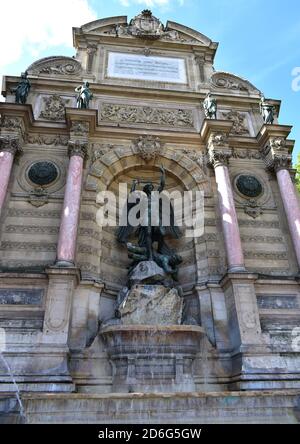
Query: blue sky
point(259, 39)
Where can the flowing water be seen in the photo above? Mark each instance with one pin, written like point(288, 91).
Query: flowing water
point(17, 391)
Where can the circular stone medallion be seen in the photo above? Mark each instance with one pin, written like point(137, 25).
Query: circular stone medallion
point(43, 173)
point(249, 186)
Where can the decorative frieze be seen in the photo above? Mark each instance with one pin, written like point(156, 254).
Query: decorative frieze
point(48, 140)
point(240, 127)
point(259, 224)
point(130, 114)
point(54, 108)
point(31, 229)
point(34, 214)
point(246, 154)
point(266, 256)
point(263, 239)
point(88, 249)
point(27, 246)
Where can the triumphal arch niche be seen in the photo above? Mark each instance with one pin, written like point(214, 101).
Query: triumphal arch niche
point(86, 312)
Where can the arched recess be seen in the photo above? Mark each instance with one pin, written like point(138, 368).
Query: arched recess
point(99, 256)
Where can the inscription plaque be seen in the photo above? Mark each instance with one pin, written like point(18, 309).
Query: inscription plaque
point(149, 68)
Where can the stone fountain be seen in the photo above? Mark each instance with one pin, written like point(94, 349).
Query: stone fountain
point(150, 345)
point(149, 348)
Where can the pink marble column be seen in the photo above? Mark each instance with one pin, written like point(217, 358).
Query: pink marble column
point(235, 256)
point(291, 206)
point(66, 248)
point(8, 150)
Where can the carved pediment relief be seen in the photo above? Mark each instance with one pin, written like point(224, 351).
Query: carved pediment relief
point(144, 26)
point(56, 66)
point(227, 81)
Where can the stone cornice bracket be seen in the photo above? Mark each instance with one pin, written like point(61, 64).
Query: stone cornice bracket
point(215, 135)
point(275, 148)
point(11, 145)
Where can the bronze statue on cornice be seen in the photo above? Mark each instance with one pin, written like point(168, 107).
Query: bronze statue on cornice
point(22, 90)
point(84, 95)
point(210, 107)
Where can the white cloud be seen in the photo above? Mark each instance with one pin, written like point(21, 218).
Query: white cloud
point(163, 4)
point(32, 26)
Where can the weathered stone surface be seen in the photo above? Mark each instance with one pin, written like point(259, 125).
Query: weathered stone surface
point(152, 305)
point(147, 273)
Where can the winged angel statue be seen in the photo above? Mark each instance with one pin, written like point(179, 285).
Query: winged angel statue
point(152, 228)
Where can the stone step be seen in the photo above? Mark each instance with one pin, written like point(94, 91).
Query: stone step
point(273, 407)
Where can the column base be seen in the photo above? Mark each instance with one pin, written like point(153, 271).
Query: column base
point(237, 269)
point(64, 264)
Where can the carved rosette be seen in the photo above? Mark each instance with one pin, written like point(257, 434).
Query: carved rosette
point(78, 148)
point(148, 147)
point(10, 145)
point(276, 154)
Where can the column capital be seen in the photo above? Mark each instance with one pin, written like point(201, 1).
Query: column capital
point(274, 146)
point(277, 153)
point(78, 148)
point(215, 134)
point(10, 145)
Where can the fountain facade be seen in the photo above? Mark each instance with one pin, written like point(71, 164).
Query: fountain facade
point(146, 323)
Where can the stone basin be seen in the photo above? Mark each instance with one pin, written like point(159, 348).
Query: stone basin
point(149, 358)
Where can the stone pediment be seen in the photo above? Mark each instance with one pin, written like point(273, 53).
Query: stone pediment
point(226, 81)
point(60, 66)
point(144, 26)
